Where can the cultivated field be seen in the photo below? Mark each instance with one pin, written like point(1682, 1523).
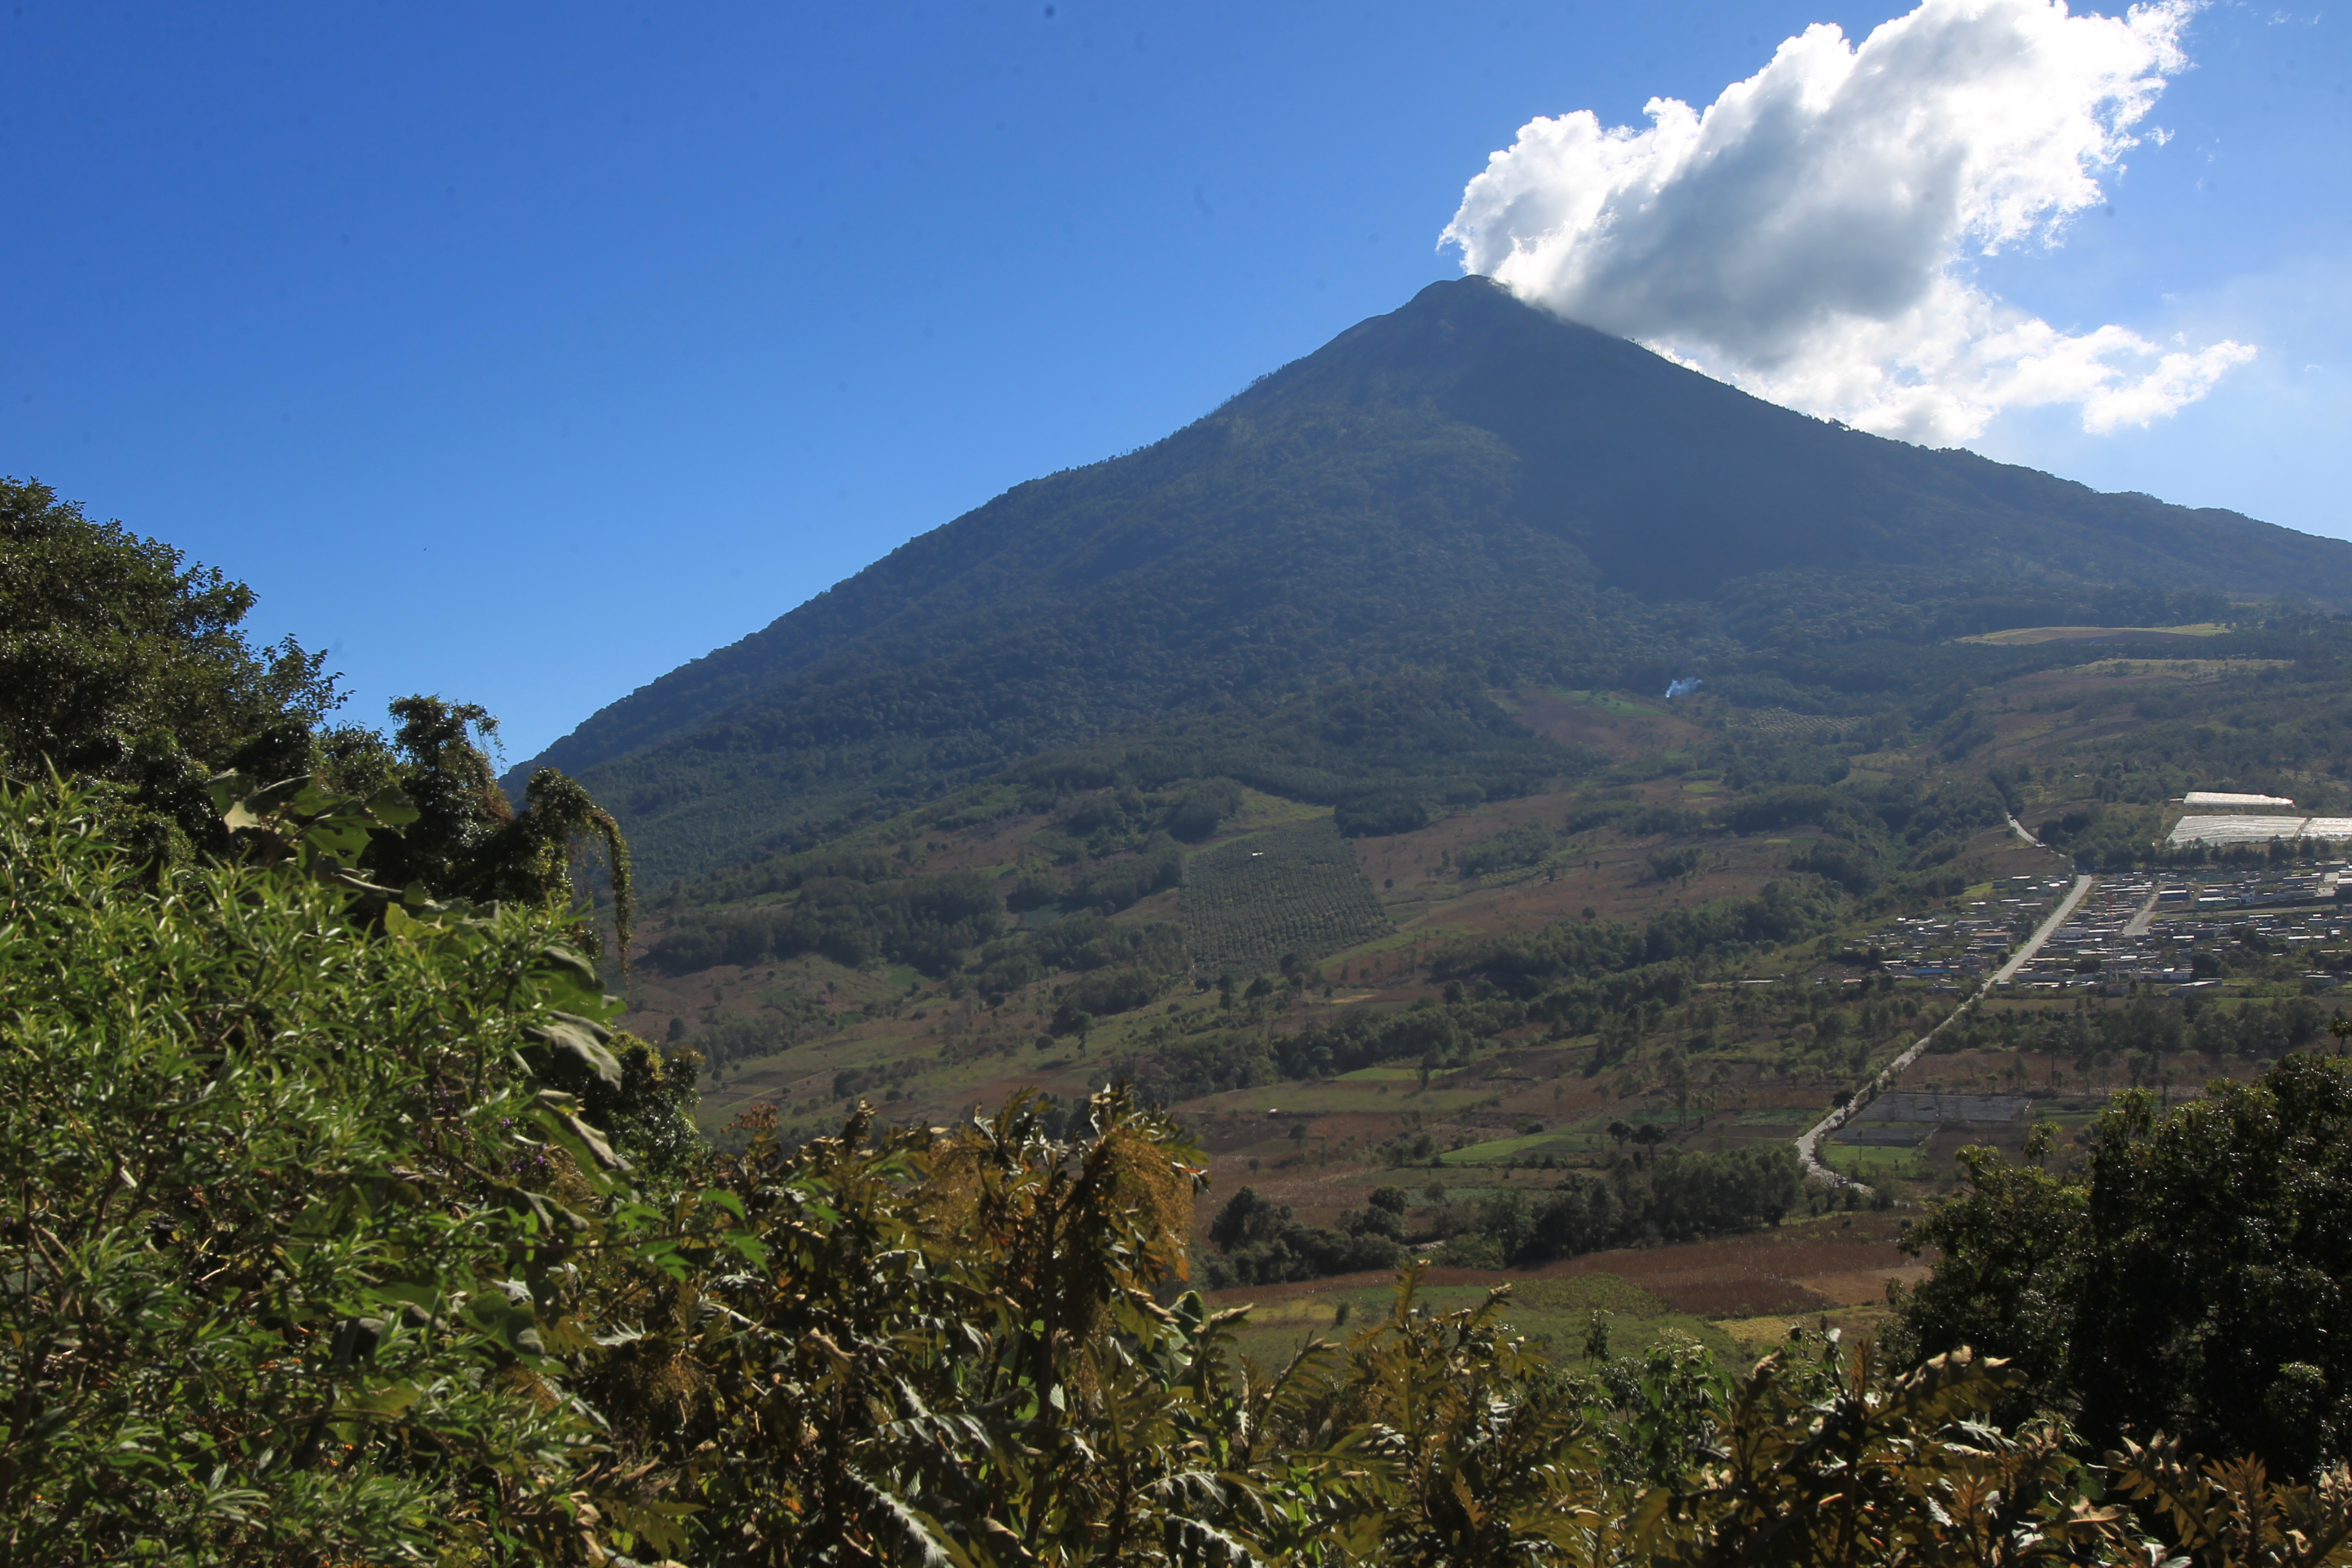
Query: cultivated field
point(1736, 1294)
point(1290, 892)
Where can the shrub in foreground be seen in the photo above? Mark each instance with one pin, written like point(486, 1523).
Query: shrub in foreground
point(308, 1254)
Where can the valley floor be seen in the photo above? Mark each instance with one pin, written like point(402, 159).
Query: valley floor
point(2163, 978)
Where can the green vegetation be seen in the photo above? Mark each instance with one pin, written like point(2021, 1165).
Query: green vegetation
point(1567, 963)
point(1087, 942)
point(340, 1225)
point(1277, 899)
point(2187, 1275)
point(382, 1291)
point(1258, 1243)
point(2147, 1027)
point(289, 1197)
point(1310, 589)
point(1523, 846)
point(122, 665)
point(126, 672)
point(927, 921)
point(1675, 1196)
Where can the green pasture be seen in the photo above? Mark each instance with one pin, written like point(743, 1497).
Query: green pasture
point(1869, 1164)
point(1433, 932)
point(1611, 703)
point(1339, 1095)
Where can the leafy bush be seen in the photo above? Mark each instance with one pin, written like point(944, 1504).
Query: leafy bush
point(1084, 941)
point(1382, 814)
point(1107, 889)
point(1788, 807)
point(1839, 863)
point(1107, 992)
point(1522, 846)
point(1673, 864)
point(124, 667)
point(280, 1194)
point(1198, 812)
point(1259, 1244)
point(1677, 1196)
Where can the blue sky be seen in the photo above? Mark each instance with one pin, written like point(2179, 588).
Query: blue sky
point(523, 352)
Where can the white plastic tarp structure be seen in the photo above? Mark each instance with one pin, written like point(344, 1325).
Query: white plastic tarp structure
point(2258, 829)
point(2236, 829)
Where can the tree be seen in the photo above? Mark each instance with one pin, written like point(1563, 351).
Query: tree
point(2189, 1277)
point(126, 669)
point(1675, 1068)
point(421, 816)
point(124, 664)
point(1246, 1219)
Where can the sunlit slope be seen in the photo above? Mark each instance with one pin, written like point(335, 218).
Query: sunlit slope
point(1463, 489)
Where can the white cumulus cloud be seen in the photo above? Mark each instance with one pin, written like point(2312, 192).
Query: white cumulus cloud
point(1809, 235)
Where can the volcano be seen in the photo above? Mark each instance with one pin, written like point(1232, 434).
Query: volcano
point(1465, 494)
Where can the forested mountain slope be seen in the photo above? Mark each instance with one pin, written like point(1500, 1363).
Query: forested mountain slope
point(1465, 489)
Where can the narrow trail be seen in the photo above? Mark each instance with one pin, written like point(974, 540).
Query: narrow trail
point(1808, 1146)
point(2019, 828)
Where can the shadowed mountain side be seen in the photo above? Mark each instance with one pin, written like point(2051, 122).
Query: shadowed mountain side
point(1262, 610)
point(1466, 485)
point(1674, 483)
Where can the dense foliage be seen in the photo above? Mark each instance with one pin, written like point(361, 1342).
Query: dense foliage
point(315, 1261)
point(125, 666)
point(281, 1193)
point(2189, 1275)
point(1259, 1242)
point(1673, 1196)
point(923, 921)
point(125, 671)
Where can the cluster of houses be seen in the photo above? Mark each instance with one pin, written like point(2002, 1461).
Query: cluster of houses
point(2129, 929)
point(1951, 950)
point(2110, 928)
point(2144, 930)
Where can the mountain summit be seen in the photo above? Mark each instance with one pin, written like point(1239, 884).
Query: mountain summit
point(1465, 490)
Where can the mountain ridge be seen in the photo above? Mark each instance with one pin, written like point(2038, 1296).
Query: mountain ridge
point(1463, 484)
